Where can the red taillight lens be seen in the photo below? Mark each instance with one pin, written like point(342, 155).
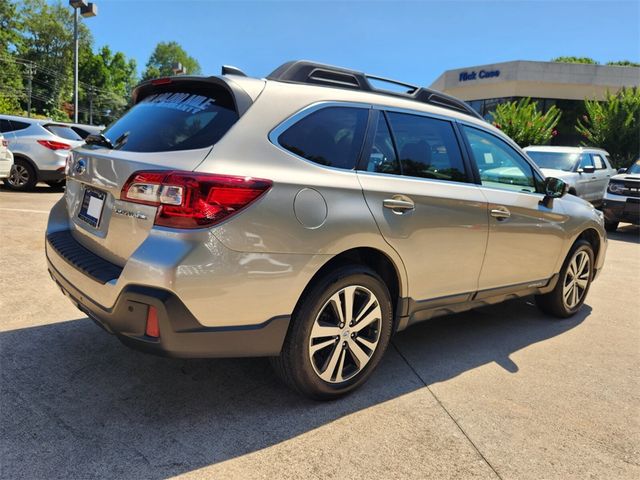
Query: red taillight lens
point(53, 145)
point(192, 200)
point(153, 326)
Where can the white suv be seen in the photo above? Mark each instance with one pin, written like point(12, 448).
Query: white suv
point(40, 149)
point(586, 170)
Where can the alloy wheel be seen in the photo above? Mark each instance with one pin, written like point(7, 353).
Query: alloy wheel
point(345, 334)
point(19, 176)
point(576, 279)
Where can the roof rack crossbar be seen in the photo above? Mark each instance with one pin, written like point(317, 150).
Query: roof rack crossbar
point(306, 72)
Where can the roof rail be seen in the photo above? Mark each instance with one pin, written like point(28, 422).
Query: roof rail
point(307, 72)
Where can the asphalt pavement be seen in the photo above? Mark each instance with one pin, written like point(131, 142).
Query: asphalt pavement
point(499, 392)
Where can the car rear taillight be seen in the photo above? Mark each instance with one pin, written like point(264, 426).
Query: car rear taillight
point(192, 200)
point(53, 145)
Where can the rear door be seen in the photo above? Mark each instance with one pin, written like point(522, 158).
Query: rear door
point(602, 174)
point(173, 127)
point(421, 195)
point(587, 182)
point(525, 237)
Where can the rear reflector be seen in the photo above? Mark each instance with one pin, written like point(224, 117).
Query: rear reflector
point(153, 327)
point(53, 145)
point(192, 200)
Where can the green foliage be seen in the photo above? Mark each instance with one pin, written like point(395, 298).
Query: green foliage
point(588, 60)
point(37, 36)
point(526, 125)
point(591, 61)
point(614, 125)
point(164, 56)
point(624, 63)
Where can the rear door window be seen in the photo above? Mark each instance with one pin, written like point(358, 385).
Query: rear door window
point(331, 136)
point(63, 131)
point(598, 162)
point(173, 120)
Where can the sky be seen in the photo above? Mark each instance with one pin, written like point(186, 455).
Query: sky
point(412, 41)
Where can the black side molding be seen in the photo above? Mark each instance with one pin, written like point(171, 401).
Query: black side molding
point(82, 259)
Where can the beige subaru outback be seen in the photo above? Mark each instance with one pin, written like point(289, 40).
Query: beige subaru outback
point(307, 217)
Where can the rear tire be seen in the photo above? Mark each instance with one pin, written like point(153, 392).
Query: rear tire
point(22, 177)
point(330, 351)
point(611, 226)
point(573, 283)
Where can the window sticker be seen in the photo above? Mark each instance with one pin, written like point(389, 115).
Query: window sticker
point(185, 102)
point(488, 158)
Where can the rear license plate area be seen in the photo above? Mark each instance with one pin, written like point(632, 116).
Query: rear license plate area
point(92, 207)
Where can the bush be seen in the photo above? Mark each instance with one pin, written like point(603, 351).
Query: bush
point(614, 125)
point(526, 125)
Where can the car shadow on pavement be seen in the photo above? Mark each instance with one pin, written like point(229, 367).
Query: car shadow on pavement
point(78, 404)
point(626, 233)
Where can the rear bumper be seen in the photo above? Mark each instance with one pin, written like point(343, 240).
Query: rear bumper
point(181, 335)
point(621, 210)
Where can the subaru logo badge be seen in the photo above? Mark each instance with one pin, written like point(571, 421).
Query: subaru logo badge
point(80, 167)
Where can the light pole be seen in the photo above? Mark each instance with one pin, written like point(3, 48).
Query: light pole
point(86, 10)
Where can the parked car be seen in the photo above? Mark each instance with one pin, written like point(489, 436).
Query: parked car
point(585, 170)
point(622, 200)
point(328, 215)
point(40, 149)
point(84, 131)
point(6, 158)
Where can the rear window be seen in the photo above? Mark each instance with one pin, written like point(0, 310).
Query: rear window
point(332, 136)
point(63, 131)
point(175, 120)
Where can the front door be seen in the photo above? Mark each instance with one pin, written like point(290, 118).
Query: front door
point(525, 237)
point(418, 189)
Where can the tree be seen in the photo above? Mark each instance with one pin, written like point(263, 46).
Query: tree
point(526, 125)
point(11, 89)
point(47, 42)
point(106, 80)
point(614, 125)
point(164, 56)
point(588, 60)
point(624, 63)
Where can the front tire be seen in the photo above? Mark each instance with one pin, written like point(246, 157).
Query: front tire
point(339, 333)
point(22, 176)
point(573, 283)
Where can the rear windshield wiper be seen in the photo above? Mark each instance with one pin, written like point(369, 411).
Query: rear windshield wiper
point(121, 140)
point(99, 139)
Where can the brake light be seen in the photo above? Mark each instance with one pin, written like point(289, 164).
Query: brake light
point(161, 81)
point(192, 200)
point(53, 145)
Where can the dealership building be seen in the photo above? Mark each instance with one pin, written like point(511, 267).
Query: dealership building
point(565, 85)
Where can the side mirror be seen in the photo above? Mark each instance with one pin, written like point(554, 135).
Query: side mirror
point(589, 169)
point(622, 170)
point(553, 188)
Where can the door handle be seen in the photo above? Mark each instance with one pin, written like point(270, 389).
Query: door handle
point(500, 213)
point(398, 205)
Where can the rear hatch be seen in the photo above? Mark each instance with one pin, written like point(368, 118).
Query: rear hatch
point(173, 125)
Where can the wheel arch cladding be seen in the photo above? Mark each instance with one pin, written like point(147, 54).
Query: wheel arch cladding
point(591, 236)
point(375, 259)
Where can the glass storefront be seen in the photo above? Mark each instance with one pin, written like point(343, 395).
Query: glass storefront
point(571, 111)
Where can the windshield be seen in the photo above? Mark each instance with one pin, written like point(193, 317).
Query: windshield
point(635, 168)
point(176, 120)
point(555, 160)
point(63, 131)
